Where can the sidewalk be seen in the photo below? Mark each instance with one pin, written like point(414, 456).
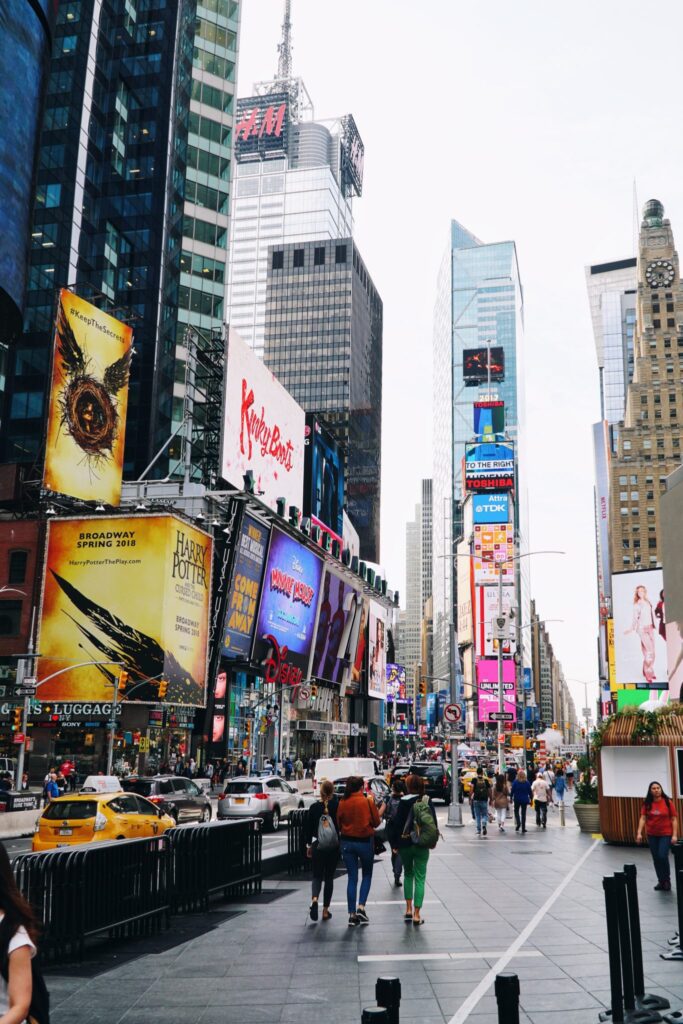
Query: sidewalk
point(529, 904)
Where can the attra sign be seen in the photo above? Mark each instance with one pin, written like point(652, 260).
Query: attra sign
point(261, 125)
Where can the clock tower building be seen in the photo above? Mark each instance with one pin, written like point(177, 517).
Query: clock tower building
point(648, 442)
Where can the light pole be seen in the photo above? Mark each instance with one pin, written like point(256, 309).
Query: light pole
point(454, 811)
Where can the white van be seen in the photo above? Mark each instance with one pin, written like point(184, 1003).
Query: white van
point(334, 768)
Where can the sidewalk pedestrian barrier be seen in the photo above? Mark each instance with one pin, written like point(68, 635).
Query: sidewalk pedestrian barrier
point(129, 888)
point(296, 843)
point(644, 1000)
point(374, 1015)
point(506, 988)
point(676, 952)
point(388, 995)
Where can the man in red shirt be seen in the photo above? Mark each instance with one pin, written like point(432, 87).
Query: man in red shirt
point(658, 821)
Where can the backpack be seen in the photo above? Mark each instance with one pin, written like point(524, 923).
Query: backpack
point(39, 1010)
point(327, 833)
point(424, 831)
point(480, 789)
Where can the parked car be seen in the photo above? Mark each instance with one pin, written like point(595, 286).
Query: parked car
point(254, 796)
point(85, 818)
point(334, 768)
point(182, 798)
point(374, 784)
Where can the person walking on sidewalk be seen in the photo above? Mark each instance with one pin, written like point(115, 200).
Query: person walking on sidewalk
point(560, 787)
point(659, 823)
point(540, 790)
point(398, 790)
point(500, 800)
point(413, 832)
point(521, 796)
point(322, 845)
point(357, 818)
point(480, 791)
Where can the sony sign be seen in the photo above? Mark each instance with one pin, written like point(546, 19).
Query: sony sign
point(491, 508)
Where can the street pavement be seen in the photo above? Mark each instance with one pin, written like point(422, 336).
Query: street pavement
point(531, 904)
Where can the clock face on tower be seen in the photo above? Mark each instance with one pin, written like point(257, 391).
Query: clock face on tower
point(659, 273)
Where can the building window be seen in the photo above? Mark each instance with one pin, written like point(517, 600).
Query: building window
point(278, 259)
point(652, 543)
point(17, 566)
point(625, 543)
point(623, 480)
point(319, 256)
point(340, 254)
point(298, 260)
point(10, 618)
point(669, 307)
point(655, 307)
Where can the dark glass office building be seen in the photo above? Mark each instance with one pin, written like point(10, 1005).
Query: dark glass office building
point(323, 341)
point(131, 203)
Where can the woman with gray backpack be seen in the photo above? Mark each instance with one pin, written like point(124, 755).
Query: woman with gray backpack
point(322, 845)
point(413, 832)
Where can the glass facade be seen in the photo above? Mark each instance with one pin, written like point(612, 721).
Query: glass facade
point(612, 299)
point(121, 203)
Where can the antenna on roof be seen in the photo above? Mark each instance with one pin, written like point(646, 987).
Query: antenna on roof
point(284, 49)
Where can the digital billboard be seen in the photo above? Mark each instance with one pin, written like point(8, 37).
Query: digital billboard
point(261, 127)
point(244, 589)
point(396, 683)
point(489, 420)
point(339, 604)
point(487, 687)
point(487, 609)
point(287, 611)
point(323, 477)
point(494, 547)
point(489, 466)
point(353, 680)
point(352, 157)
point(465, 610)
point(478, 362)
point(639, 628)
point(88, 400)
point(263, 429)
point(377, 655)
point(491, 508)
point(129, 589)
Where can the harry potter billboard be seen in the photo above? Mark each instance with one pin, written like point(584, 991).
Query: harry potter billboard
point(132, 592)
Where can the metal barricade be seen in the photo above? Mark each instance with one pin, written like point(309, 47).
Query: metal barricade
point(218, 857)
point(296, 843)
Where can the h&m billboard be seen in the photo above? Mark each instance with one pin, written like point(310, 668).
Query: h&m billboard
point(133, 590)
point(261, 127)
point(263, 429)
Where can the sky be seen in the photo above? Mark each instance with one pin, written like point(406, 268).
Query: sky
point(528, 121)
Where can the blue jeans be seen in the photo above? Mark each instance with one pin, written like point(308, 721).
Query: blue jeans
point(481, 813)
point(354, 851)
point(659, 848)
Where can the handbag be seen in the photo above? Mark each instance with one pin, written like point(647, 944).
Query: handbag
point(379, 845)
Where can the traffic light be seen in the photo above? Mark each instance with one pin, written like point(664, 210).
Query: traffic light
point(16, 719)
point(314, 692)
point(163, 686)
point(123, 680)
point(583, 733)
point(423, 688)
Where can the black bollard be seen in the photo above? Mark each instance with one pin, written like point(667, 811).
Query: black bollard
point(388, 995)
point(507, 995)
point(612, 914)
point(375, 1015)
point(644, 1001)
point(625, 944)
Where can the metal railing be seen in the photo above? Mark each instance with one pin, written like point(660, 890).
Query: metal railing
point(296, 843)
point(208, 859)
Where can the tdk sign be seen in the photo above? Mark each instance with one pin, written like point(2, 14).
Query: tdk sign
point(491, 508)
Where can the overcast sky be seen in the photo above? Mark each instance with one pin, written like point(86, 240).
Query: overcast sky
point(526, 121)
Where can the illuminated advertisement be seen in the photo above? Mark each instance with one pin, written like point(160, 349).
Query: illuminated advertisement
point(477, 363)
point(464, 573)
point(338, 607)
point(601, 457)
point(487, 610)
point(494, 547)
point(611, 666)
point(88, 401)
point(489, 466)
point(640, 648)
point(487, 687)
point(671, 510)
point(245, 586)
point(396, 683)
point(263, 429)
point(287, 612)
point(133, 590)
point(489, 420)
point(323, 478)
point(491, 508)
point(377, 655)
point(261, 127)
point(352, 684)
point(352, 157)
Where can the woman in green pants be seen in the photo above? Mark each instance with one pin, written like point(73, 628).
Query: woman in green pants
point(413, 856)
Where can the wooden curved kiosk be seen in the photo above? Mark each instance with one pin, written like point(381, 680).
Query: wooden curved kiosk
point(637, 749)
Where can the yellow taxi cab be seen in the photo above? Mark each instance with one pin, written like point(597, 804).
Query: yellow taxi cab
point(87, 817)
point(466, 778)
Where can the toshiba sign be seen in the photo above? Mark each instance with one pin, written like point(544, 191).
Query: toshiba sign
point(261, 125)
point(263, 429)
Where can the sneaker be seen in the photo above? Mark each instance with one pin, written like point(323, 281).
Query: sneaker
point(353, 920)
point(517, 828)
point(484, 829)
point(314, 910)
point(666, 886)
point(362, 917)
point(397, 882)
point(659, 887)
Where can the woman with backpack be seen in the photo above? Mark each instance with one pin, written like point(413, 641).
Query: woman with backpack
point(398, 790)
point(18, 933)
point(500, 800)
point(413, 833)
point(322, 845)
point(521, 795)
point(357, 817)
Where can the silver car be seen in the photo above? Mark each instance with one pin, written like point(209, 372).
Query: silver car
point(267, 797)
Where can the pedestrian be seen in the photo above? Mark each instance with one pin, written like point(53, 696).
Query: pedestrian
point(560, 787)
point(659, 823)
point(521, 796)
point(299, 768)
point(414, 832)
point(51, 788)
point(193, 767)
point(398, 790)
point(18, 934)
point(208, 773)
point(500, 800)
point(289, 768)
point(357, 817)
point(540, 790)
point(61, 782)
point(480, 791)
point(322, 845)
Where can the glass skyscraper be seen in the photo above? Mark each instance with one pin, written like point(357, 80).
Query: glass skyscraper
point(612, 297)
point(131, 206)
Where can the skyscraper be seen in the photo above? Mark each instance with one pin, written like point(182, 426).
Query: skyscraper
point(131, 207)
point(418, 586)
point(323, 342)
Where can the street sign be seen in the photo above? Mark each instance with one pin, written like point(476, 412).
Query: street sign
point(586, 712)
point(501, 716)
point(304, 693)
point(18, 738)
point(25, 691)
point(452, 713)
point(29, 681)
